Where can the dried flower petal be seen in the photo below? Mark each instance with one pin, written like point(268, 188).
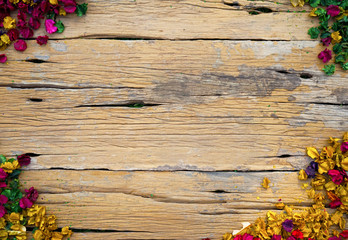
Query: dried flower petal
point(265, 183)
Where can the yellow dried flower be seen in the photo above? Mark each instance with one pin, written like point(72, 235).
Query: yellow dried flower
point(227, 236)
point(9, 23)
point(302, 175)
point(312, 152)
point(265, 183)
point(10, 166)
point(336, 37)
point(312, 13)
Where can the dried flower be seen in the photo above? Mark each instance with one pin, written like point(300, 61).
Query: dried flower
point(344, 147)
point(265, 183)
point(16, 209)
point(3, 58)
point(326, 41)
point(50, 28)
point(288, 225)
point(344, 234)
point(42, 40)
point(333, 10)
point(297, 234)
point(32, 194)
point(24, 159)
point(325, 55)
point(20, 45)
point(25, 203)
point(335, 203)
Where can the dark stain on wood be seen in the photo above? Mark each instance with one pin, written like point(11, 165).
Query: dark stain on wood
point(251, 81)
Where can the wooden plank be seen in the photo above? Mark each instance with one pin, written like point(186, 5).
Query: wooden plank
point(212, 19)
point(218, 105)
point(136, 64)
point(161, 205)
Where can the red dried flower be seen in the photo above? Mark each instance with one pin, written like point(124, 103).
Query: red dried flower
point(333, 10)
point(335, 203)
point(325, 55)
point(326, 41)
point(2, 211)
point(20, 45)
point(238, 237)
point(42, 40)
point(247, 236)
point(297, 234)
point(344, 234)
point(23, 159)
point(25, 203)
point(344, 147)
point(3, 175)
point(334, 238)
point(276, 237)
point(32, 194)
point(13, 34)
point(26, 32)
point(3, 199)
point(337, 176)
point(34, 23)
point(3, 58)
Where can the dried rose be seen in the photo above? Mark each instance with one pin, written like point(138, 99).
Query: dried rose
point(20, 45)
point(42, 40)
point(3, 58)
point(333, 10)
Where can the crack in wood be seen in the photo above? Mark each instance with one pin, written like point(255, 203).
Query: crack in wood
point(130, 104)
point(55, 86)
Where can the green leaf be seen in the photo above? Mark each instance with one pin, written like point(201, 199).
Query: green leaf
point(81, 9)
point(314, 3)
point(339, 58)
point(320, 12)
point(314, 32)
point(34, 229)
point(59, 24)
point(15, 173)
point(51, 15)
point(336, 26)
point(325, 35)
point(345, 66)
point(2, 158)
point(7, 193)
point(329, 69)
point(337, 48)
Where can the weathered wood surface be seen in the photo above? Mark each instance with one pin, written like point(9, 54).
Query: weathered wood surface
point(220, 112)
point(189, 19)
point(161, 205)
point(207, 104)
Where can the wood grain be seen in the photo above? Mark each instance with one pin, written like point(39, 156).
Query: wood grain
point(226, 98)
point(208, 105)
point(161, 205)
point(187, 19)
